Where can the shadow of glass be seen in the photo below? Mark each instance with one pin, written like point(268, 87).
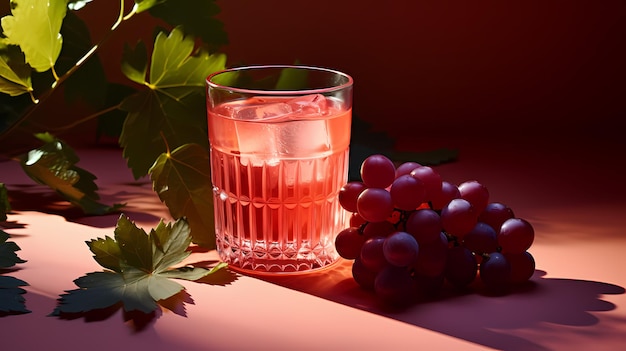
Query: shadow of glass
point(487, 320)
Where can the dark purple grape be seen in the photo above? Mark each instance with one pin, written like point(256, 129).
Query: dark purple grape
point(401, 249)
point(461, 266)
point(375, 205)
point(482, 239)
point(448, 192)
point(407, 192)
point(348, 243)
point(372, 255)
point(430, 178)
point(495, 272)
point(349, 193)
point(382, 229)
point(406, 168)
point(431, 259)
point(516, 235)
point(495, 214)
point(378, 171)
point(522, 266)
point(356, 220)
point(424, 224)
point(475, 193)
point(458, 218)
point(362, 275)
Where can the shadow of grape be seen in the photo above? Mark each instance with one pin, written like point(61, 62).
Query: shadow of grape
point(474, 316)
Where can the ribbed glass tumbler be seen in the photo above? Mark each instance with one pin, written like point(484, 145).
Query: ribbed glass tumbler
point(279, 138)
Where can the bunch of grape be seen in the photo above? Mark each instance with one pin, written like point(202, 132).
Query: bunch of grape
point(411, 233)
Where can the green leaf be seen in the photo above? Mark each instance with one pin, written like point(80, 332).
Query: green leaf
point(88, 83)
point(292, 79)
point(197, 18)
point(77, 4)
point(8, 257)
point(53, 164)
point(11, 299)
point(193, 273)
point(135, 62)
point(35, 26)
point(135, 246)
point(141, 269)
point(172, 108)
point(145, 5)
point(5, 205)
point(169, 245)
point(14, 72)
point(107, 253)
point(182, 179)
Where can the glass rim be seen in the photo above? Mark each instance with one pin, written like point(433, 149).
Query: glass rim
point(347, 84)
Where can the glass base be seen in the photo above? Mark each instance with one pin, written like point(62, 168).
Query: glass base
point(277, 262)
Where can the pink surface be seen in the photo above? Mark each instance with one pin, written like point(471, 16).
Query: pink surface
point(575, 198)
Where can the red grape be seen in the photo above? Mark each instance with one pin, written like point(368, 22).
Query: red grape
point(349, 193)
point(374, 204)
point(475, 193)
point(458, 218)
point(516, 235)
point(378, 171)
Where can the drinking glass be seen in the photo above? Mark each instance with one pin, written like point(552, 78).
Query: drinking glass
point(279, 143)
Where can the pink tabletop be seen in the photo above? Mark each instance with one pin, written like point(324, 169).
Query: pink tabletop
point(575, 198)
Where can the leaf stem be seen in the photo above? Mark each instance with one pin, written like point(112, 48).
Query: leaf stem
point(77, 122)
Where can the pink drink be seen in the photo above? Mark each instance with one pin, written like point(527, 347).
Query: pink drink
point(277, 166)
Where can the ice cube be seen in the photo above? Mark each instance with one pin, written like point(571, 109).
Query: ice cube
point(258, 109)
point(313, 105)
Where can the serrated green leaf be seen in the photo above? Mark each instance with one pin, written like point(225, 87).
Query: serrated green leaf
point(35, 26)
point(77, 4)
point(11, 296)
point(172, 109)
point(193, 273)
point(134, 243)
point(107, 253)
point(169, 245)
point(182, 179)
point(197, 18)
point(8, 249)
point(175, 65)
point(135, 286)
point(145, 5)
point(5, 205)
point(15, 74)
point(135, 62)
point(53, 164)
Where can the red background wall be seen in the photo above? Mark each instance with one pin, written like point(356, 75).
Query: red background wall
point(484, 68)
point(523, 68)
